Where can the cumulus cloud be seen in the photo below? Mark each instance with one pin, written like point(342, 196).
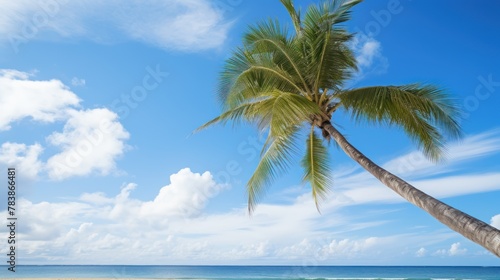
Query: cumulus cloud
point(45, 221)
point(174, 227)
point(422, 252)
point(367, 51)
point(369, 56)
point(455, 250)
point(91, 141)
point(23, 157)
point(186, 196)
point(172, 24)
point(77, 230)
point(43, 101)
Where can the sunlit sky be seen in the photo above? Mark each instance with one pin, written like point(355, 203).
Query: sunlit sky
point(99, 99)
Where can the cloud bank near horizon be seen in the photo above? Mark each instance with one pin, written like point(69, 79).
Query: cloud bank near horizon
point(175, 226)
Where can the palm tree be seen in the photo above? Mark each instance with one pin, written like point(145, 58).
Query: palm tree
point(290, 81)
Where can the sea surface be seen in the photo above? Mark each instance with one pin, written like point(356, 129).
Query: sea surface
point(256, 272)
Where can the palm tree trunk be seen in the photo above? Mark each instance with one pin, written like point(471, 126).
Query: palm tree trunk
point(470, 227)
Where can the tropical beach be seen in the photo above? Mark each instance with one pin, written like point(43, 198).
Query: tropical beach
point(238, 140)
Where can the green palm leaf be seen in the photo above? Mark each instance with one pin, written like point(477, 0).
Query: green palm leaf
point(316, 165)
point(330, 61)
point(276, 157)
point(247, 76)
point(281, 81)
point(425, 112)
point(276, 111)
point(294, 15)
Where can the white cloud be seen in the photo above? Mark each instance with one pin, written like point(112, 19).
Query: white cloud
point(112, 229)
point(98, 198)
point(24, 158)
point(77, 82)
point(414, 164)
point(372, 191)
point(356, 186)
point(44, 101)
point(369, 56)
point(367, 51)
point(120, 227)
point(348, 247)
point(495, 221)
point(186, 196)
point(371, 249)
point(45, 221)
point(91, 142)
point(174, 227)
point(455, 250)
point(422, 252)
point(188, 25)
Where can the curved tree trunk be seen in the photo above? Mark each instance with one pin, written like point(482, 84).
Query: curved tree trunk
point(470, 227)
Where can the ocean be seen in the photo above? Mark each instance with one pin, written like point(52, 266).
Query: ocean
point(256, 272)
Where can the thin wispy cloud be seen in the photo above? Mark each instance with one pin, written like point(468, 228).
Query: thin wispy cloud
point(77, 82)
point(414, 164)
point(356, 186)
point(183, 25)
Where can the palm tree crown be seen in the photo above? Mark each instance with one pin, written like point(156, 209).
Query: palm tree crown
point(283, 80)
point(286, 80)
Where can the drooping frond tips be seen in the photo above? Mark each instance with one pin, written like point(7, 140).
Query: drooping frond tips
point(424, 112)
point(275, 159)
point(316, 165)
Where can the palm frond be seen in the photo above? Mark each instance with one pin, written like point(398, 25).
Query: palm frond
point(279, 81)
point(331, 62)
point(316, 165)
point(275, 110)
point(246, 75)
point(268, 38)
point(288, 109)
point(426, 113)
point(294, 15)
point(275, 159)
point(330, 13)
point(244, 112)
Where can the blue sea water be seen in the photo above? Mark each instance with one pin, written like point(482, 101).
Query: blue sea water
point(256, 272)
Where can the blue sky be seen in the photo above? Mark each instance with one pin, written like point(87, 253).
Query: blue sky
point(99, 102)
